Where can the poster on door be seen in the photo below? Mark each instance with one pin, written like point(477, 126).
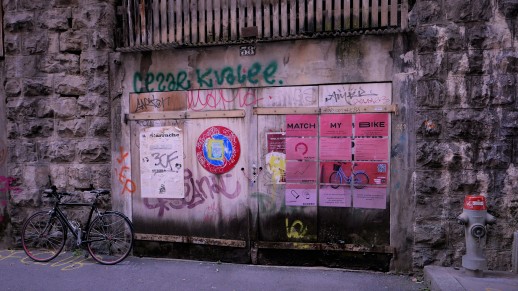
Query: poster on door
point(301, 195)
point(161, 162)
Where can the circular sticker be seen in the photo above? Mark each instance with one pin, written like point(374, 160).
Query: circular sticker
point(218, 149)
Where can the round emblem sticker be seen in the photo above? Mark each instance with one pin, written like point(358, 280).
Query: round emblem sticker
point(218, 149)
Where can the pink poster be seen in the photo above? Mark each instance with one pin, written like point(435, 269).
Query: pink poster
point(332, 148)
point(371, 149)
point(301, 125)
point(375, 173)
point(298, 148)
point(301, 195)
point(276, 142)
point(297, 171)
point(336, 125)
point(370, 197)
point(335, 197)
point(371, 124)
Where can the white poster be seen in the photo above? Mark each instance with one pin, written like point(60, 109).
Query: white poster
point(161, 162)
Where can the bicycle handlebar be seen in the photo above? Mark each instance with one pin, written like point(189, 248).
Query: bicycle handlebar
point(53, 192)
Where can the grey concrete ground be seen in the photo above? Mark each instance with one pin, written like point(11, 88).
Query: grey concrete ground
point(452, 279)
point(72, 271)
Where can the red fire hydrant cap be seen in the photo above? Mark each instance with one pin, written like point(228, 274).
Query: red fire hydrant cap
point(475, 202)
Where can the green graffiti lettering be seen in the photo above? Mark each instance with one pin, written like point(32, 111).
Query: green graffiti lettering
point(137, 78)
point(230, 77)
point(201, 78)
point(150, 78)
point(171, 85)
point(181, 78)
point(241, 78)
point(269, 72)
point(254, 70)
point(160, 78)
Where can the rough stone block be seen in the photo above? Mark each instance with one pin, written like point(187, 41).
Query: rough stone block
point(102, 39)
point(93, 17)
point(509, 123)
point(94, 151)
point(427, 39)
point(22, 152)
point(91, 104)
point(55, 19)
point(58, 174)
point(458, 63)
point(66, 107)
point(37, 86)
point(35, 42)
point(425, 12)
point(60, 63)
point(432, 65)
point(429, 124)
point(71, 41)
point(70, 85)
point(479, 91)
point(100, 126)
point(469, 125)
point(431, 94)
point(72, 128)
point(432, 235)
point(79, 177)
point(456, 88)
point(504, 90)
point(18, 21)
point(476, 62)
point(61, 151)
point(12, 43)
point(456, 40)
point(36, 128)
point(20, 66)
point(483, 36)
point(12, 87)
point(494, 154)
point(458, 11)
point(509, 8)
point(444, 155)
point(431, 183)
point(101, 176)
point(94, 62)
point(99, 84)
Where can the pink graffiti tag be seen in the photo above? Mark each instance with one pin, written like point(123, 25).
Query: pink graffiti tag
point(197, 191)
point(128, 184)
point(6, 185)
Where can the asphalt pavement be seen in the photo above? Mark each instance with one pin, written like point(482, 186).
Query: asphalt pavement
point(72, 271)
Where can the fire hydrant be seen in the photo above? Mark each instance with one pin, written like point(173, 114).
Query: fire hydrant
point(474, 217)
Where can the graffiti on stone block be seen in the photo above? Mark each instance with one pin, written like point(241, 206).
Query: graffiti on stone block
point(6, 185)
point(197, 192)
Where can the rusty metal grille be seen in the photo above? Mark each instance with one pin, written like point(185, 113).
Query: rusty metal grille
point(165, 23)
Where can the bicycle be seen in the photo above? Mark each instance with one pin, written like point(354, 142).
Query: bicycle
point(108, 237)
point(359, 179)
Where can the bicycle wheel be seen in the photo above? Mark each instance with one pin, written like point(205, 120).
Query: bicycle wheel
point(360, 180)
point(43, 236)
point(336, 179)
point(110, 238)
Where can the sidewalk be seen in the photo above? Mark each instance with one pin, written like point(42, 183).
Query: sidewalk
point(71, 271)
point(455, 279)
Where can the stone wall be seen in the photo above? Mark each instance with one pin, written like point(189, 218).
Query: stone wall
point(466, 70)
point(57, 97)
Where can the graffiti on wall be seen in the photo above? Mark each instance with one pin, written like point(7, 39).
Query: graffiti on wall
point(197, 192)
point(199, 100)
point(127, 184)
point(296, 229)
point(207, 78)
point(356, 94)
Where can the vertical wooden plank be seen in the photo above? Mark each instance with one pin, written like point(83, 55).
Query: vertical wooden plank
point(393, 12)
point(328, 25)
point(225, 19)
point(404, 14)
point(384, 13)
point(259, 17)
point(130, 40)
point(284, 18)
point(319, 11)
point(163, 21)
point(186, 22)
point(202, 25)
point(241, 8)
point(356, 14)
point(170, 21)
point(156, 22)
point(217, 19)
point(179, 21)
point(347, 14)
point(194, 21)
point(302, 16)
point(311, 15)
point(365, 13)
point(338, 15)
point(210, 21)
point(293, 17)
point(266, 20)
point(149, 23)
point(374, 13)
point(143, 34)
point(275, 19)
point(249, 13)
point(233, 19)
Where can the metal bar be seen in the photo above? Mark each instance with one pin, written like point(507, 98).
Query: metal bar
point(191, 240)
point(284, 111)
point(156, 115)
point(360, 109)
point(237, 113)
point(326, 247)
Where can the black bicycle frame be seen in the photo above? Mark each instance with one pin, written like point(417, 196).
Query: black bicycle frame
point(58, 212)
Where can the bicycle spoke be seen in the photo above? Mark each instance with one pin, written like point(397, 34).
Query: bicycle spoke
point(43, 236)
